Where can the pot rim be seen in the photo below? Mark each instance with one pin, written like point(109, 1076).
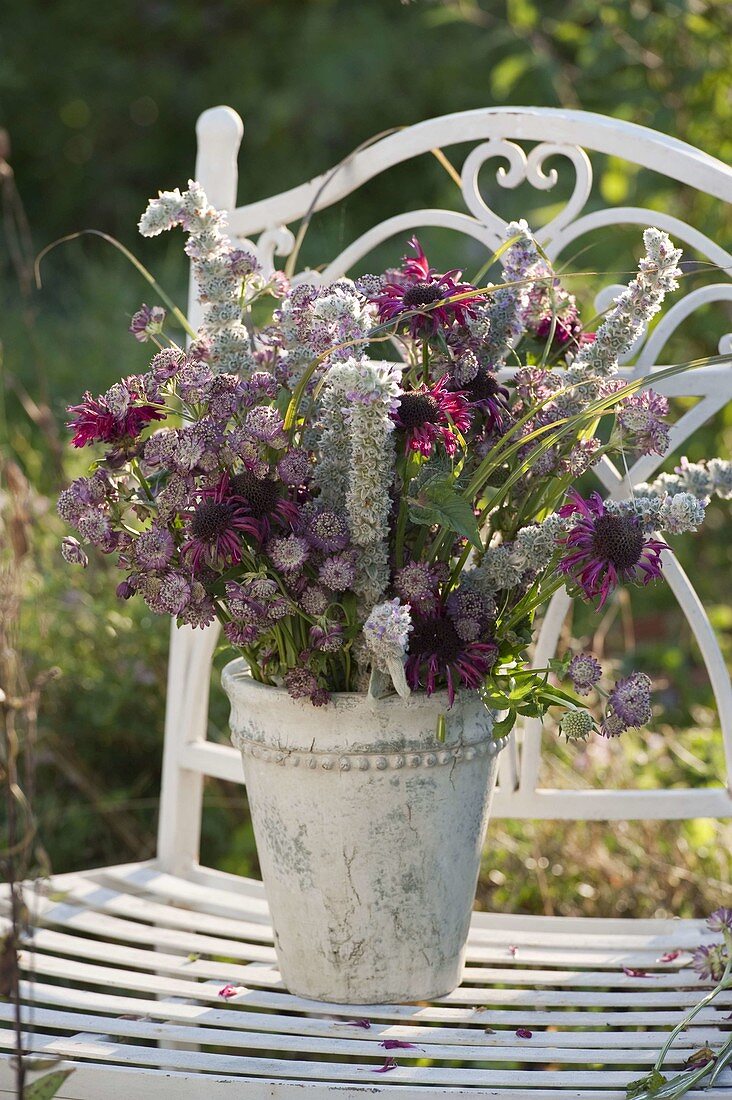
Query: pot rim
point(237, 672)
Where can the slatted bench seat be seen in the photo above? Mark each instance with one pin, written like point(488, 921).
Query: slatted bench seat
point(124, 971)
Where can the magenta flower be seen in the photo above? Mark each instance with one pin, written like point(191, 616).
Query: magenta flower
point(428, 416)
point(437, 652)
point(96, 421)
point(260, 499)
point(604, 549)
point(417, 286)
point(487, 393)
point(214, 528)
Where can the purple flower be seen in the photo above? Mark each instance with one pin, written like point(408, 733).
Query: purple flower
point(603, 548)
point(328, 639)
point(416, 288)
point(264, 423)
point(301, 683)
point(720, 920)
point(584, 671)
point(314, 600)
point(487, 393)
point(398, 1044)
point(214, 530)
point(472, 612)
point(260, 499)
point(294, 467)
point(436, 652)
point(365, 1024)
point(125, 590)
point(338, 572)
point(73, 552)
point(711, 961)
point(147, 322)
point(429, 415)
point(629, 703)
point(173, 595)
point(95, 421)
point(288, 554)
point(154, 548)
point(641, 414)
point(328, 531)
point(416, 584)
point(523, 1033)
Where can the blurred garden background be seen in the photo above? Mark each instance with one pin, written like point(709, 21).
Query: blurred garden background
point(99, 113)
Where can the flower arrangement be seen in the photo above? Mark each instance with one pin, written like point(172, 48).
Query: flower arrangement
point(360, 497)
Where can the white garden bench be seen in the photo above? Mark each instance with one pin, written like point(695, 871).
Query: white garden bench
point(122, 976)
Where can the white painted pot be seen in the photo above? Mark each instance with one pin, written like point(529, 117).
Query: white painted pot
point(369, 832)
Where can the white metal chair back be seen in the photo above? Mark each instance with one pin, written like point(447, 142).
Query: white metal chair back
point(264, 227)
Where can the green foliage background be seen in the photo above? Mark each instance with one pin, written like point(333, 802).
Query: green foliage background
point(100, 103)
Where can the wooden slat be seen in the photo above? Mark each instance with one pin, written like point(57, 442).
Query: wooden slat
point(84, 1000)
point(506, 1047)
point(109, 1051)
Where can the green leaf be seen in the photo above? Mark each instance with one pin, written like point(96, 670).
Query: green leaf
point(46, 1087)
point(439, 502)
point(646, 1084)
point(500, 729)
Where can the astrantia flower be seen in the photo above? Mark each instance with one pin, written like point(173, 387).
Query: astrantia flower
point(214, 530)
point(427, 416)
point(471, 611)
point(95, 421)
point(416, 583)
point(328, 531)
point(301, 683)
point(641, 415)
point(584, 671)
point(73, 552)
point(604, 549)
point(710, 961)
point(417, 286)
point(720, 920)
point(577, 725)
point(437, 652)
point(328, 639)
point(154, 548)
point(629, 705)
point(338, 572)
point(147, 322)
point(314, 600)
point(294, 467)
point(288, 554)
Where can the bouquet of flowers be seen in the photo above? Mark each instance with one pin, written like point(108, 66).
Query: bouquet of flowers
point(374, 487)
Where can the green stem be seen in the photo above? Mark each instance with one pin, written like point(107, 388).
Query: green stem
point(409, 465)
point(147, 275)
point(724, 983)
